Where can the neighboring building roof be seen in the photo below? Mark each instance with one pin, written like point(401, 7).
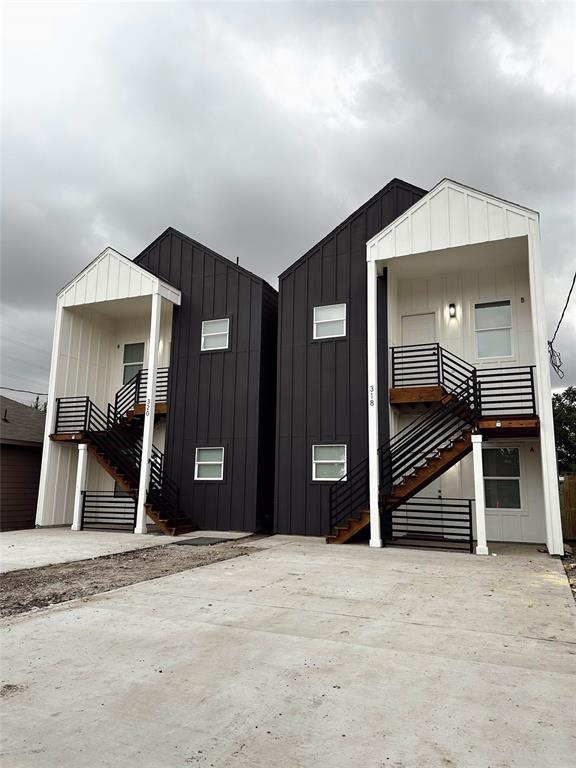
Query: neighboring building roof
point(20, 424)
point(217, 256)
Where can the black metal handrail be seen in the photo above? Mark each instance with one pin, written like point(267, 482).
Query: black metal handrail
point(134, 391)
point(349, 494)
point(121, 442)
point(427, 435)
point(106, 510)
point(438, 522)
point(501, 390)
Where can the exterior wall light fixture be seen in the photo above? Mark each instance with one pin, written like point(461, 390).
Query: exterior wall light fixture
point(452, 310)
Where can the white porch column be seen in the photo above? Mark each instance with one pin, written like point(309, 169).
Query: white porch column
point(373, 469)
point(149, 413)
point(80, 485)
point(480, 505)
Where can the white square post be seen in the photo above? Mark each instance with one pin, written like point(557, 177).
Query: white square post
point(373, 469)
point(149, 413)
point(480, 505)
point(80, 485)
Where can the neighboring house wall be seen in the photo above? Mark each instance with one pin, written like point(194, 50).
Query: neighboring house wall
point(19, 478)
point(322, 385)
point(21, 434)
point(221, 398)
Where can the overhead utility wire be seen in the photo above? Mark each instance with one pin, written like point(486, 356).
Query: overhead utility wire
point(555, 359)
point(26, 391)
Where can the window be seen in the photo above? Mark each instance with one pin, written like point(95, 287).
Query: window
point(501, 478)
point(209, 464)
point(330, 321)
point(215, 334)
point(133, 360)
point(328, 462)
point(493, 322)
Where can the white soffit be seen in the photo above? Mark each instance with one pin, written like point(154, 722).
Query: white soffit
point(451, 215)
point(113, 276)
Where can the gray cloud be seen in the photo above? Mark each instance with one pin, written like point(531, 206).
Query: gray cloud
point(256, 128)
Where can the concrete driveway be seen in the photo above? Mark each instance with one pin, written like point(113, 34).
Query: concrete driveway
point(303, 655)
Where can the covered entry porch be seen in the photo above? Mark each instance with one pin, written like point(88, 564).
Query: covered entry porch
point(467, 368)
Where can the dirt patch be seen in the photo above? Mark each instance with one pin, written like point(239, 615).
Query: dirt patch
point(33, 588)
point(569, 562)
point(9, 689)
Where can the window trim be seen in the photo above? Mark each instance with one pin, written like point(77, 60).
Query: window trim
point(123, 345)
point(211, 463)
point(326, 461)
point(510, 327)
point(315, 322)
point(506, 510)
point(216, 333)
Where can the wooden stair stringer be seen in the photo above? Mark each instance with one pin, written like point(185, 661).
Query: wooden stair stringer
point(351, 527)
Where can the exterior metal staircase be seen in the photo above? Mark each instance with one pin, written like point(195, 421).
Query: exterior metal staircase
point(114, 438)
point(434, 442)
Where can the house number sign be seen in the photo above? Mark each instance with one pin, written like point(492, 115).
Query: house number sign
point(147, 407)
point(371, 394)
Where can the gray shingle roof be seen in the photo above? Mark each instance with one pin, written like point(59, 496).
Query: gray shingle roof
point(19, 423)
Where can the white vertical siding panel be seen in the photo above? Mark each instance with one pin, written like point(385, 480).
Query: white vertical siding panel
point(439, 222)
point(458, 233)
point(496, 222)
point(477, 220)
point(403, 237)
point(421, 229)
point(517, 224)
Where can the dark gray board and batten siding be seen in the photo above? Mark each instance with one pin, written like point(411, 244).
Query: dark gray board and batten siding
point(322, 385)
point(219, 398)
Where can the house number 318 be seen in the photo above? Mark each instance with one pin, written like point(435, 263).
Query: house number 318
point(371, 394)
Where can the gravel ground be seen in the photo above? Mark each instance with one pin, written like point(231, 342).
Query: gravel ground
point(33, 588)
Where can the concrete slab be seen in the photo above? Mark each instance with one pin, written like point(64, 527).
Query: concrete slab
point(303, 655)
point(45, 546)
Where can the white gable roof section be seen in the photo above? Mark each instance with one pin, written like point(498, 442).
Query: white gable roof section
point(451, 215)
point(113, 276)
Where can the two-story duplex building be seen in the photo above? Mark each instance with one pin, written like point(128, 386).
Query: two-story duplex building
point(413, 402)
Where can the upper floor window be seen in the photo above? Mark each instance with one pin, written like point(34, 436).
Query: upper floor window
point(209, 464)
point(493, 323)
point(133, 360)
point(330, 321)
point(502, 478)
point(215, 334)
point(328, 462)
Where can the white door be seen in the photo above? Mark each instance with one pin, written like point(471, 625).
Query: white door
point(419, 329)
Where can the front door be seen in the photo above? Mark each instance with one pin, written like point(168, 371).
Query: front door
point(419, 329)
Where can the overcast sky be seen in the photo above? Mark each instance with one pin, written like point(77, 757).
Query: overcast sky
point(257, 128)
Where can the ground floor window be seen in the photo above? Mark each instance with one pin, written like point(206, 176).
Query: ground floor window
point(209, 464)
point(328, 462)
point(502, 478)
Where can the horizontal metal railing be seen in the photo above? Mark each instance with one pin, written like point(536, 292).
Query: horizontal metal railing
point(431, 522)
point(349, 494)
point(134, 391)
point(506, 390)
point(104, 510)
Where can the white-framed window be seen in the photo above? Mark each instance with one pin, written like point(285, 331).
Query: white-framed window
point(330, 321)
point(209, 464)
point(502, 478)
point(215, 334)
point(132, 360)
point(493, 325)
point(328, 462)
